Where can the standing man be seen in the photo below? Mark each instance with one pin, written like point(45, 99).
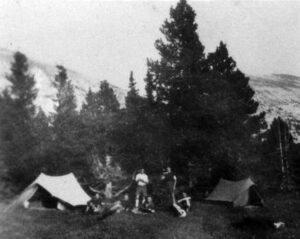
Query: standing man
point(142, 180)
point(171, 181)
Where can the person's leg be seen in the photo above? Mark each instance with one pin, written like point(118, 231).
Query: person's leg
point(116, 206)
point(144, 194)
point(180, 211)
point(137, 196)
point(106, 211)
point(148, 210)
point(177, 207)
point(137, 201)
point(171, 192)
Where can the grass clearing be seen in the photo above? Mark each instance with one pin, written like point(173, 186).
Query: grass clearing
point(206, 221)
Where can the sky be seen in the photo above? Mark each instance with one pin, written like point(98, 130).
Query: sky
point(107, 39)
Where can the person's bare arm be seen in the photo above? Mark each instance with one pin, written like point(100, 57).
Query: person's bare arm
point(142, 180)
point(183, 199)
point(175, 182)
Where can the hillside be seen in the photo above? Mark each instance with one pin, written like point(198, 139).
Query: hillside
point(44, 76)
point(278, 95)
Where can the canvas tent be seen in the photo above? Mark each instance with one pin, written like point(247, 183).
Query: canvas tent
point(63, 190)
point(240, 193)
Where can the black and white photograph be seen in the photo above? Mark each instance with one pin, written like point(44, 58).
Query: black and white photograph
point(150, 119)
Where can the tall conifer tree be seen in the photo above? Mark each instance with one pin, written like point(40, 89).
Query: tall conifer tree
point(106, 99)
point(132, 97)
point(17, 138)
point(174, 81)
point(277, 156)
point(89, 107)
point(207, 102)
point(67, 148)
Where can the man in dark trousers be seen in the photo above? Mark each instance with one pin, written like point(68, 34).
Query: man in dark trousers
point(171, 181)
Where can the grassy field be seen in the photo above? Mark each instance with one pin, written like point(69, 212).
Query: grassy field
point(205, 221)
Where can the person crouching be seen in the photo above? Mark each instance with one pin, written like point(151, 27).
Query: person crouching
point(183, 205)
point(148, 206)
point(185, 202)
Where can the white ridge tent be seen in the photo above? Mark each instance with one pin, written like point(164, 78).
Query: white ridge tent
point(240, 193)
point(65, 189)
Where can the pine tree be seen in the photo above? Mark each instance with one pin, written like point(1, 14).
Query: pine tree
point(132, 86)
point(130, 129)
point(99, 114)
point(276, 154)
point(66, 102)
point(23, 83)
point(106, 99)
point(220, 61)
point(182, 59)
point(133, 100)
point(89, 109)
point(149, 88)
point(92, 130)
point(175, 83)
point(42, 131)
point(237, 108)
point(65, 108)
point(294, 159)
point(207, 102)
point(18, 141)
point(109, 108)
point(91, 133)
point(67, 149)
point(132, 94)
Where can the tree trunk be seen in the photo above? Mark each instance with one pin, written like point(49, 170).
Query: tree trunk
point(283, 182)
point(108, 190)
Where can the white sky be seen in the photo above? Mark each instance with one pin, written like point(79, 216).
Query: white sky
point(107, 39)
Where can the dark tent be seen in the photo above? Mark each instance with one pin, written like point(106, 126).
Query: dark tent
point(240, 193)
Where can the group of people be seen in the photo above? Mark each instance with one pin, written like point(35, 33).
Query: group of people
point(147, 205)
point(97, 205)
point(181, 206)
point(143, 201)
